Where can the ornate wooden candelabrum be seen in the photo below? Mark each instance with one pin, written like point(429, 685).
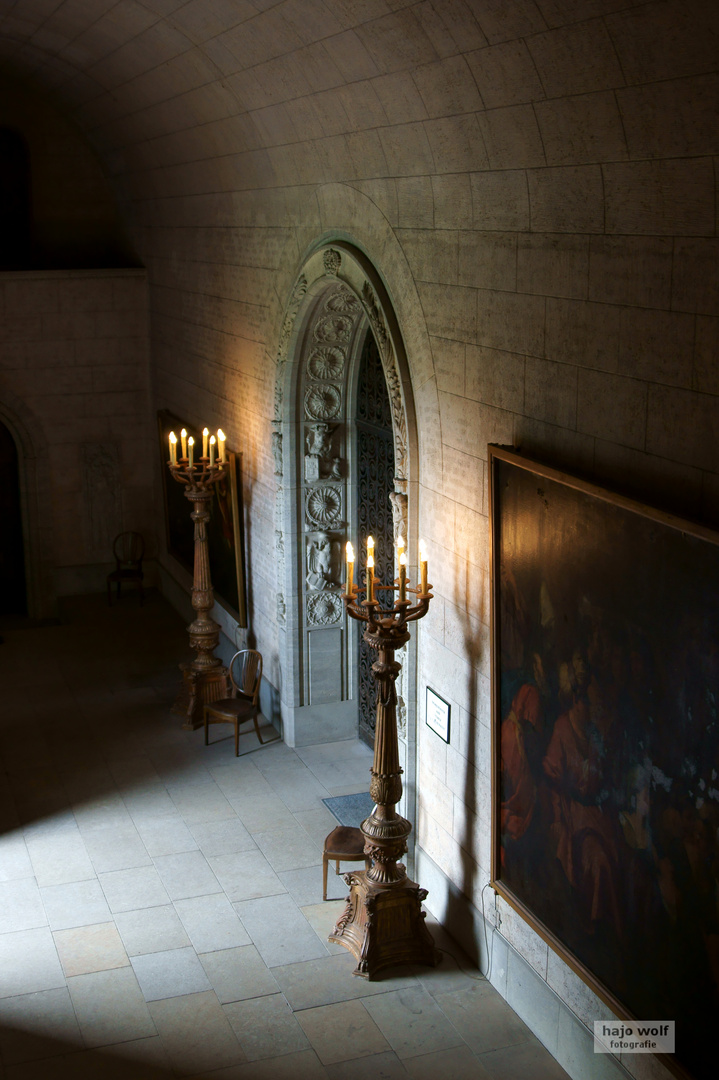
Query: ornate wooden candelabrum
point(383, 922)
point(205, 679)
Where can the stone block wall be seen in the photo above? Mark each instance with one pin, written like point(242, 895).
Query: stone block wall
point(74, 391)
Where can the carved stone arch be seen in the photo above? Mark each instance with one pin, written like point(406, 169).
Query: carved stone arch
point(336, 298)
point(35, 502)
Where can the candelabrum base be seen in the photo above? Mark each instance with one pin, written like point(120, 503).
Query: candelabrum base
point(383, 925)
point(199, 688)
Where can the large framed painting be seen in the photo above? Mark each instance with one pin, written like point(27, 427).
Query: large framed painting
point(224, 529)
point(605, 665)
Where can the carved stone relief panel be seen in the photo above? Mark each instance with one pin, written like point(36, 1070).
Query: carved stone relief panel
point(323, 507)
point(102, 501)
point(323, 561)
point(324, 609)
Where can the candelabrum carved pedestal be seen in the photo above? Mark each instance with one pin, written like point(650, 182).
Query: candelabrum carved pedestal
point(383, 922)
point(206, 678)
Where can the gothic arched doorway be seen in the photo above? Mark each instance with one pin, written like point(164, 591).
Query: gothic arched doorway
point(13, 595)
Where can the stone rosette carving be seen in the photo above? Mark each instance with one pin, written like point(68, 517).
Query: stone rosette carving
point(322, 402)
point(332, 261)
point(326, 363)
point(323, 508)
point(344, 303)
point(334, 328)
point(324, 608)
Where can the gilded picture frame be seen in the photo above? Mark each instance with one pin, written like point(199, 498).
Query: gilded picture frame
point(605, 690)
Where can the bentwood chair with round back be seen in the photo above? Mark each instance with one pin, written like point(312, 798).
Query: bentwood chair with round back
point(128, 549)
point(244, 705)
point(344, 844)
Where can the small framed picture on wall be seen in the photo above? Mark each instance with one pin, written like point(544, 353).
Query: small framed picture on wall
point(437, 714)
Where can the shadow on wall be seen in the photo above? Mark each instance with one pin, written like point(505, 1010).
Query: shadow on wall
point(457, 913)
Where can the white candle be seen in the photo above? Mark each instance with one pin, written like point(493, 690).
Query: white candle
point(205, 435)
point(191, 447)
point(183, 436)
point(212, 450)
point(423, 567)
point(350, 567)
point(221, 442)
point(403, 576)
point(173, 448)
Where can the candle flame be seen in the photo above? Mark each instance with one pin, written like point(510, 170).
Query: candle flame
point(213, 440)
point(370, 543)
point(370, 561)
point(173, 437)
point(183, 433)
point(350, 552)
point(190, 441)
point(221, 435)
point(422, 551)
point(205, 432)
point(403, 559)
point(400, 543)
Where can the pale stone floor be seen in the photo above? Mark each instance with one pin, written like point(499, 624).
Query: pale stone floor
point(160, 902)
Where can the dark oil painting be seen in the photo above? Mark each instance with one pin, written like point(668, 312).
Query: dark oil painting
point(606, 743)
point(224, 529)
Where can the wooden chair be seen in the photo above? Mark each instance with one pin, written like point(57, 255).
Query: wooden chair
point(128, 549)
point(246, 676)
point(344, 844)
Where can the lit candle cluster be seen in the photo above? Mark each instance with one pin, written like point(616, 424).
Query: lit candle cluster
point(370, 579)
point(216, 446)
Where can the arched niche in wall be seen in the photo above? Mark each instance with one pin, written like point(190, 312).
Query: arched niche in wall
point(35, 505)
point(337, 298)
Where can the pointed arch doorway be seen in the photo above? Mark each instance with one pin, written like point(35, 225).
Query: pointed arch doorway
point(13, 592)
point(338, 306)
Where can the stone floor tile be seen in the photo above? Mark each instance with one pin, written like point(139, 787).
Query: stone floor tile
point(170, 974)
point(246, 875)
point(288, 849)
point(90, 948)
point(129, 772)
point(222, 837)
point(342, 1031)
point(29, 962)
point(127, 890)
point(520, 1061)
point(262, 813)
point(322, 917)
point(201, 803)
point(329, 979)
point(80, 903)
point(279, 930)
point(39, 1025)
point(385, 1066)
point(115, 848)
point(196, 1033)
point(238, 974)
point(459, 1063)
point(14, 858)
point(186, 874)
point(303, 1065)
point(305, 885)
point(21, 906)
point(317, 823)
point(147, 804)
point(483, 1018)
point(167, 835)
point(110, 1007)
point(266, 1027)
point(412, 1022)
point(151, 930)
point(58, 861)
point(211, 923)
point(241, 779)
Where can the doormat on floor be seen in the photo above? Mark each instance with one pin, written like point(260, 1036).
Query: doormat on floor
point(350, 809)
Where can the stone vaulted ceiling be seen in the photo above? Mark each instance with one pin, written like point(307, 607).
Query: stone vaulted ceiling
point(239, 94)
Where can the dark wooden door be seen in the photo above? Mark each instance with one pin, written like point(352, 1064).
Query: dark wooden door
point(375, 480)
point(13, 599)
